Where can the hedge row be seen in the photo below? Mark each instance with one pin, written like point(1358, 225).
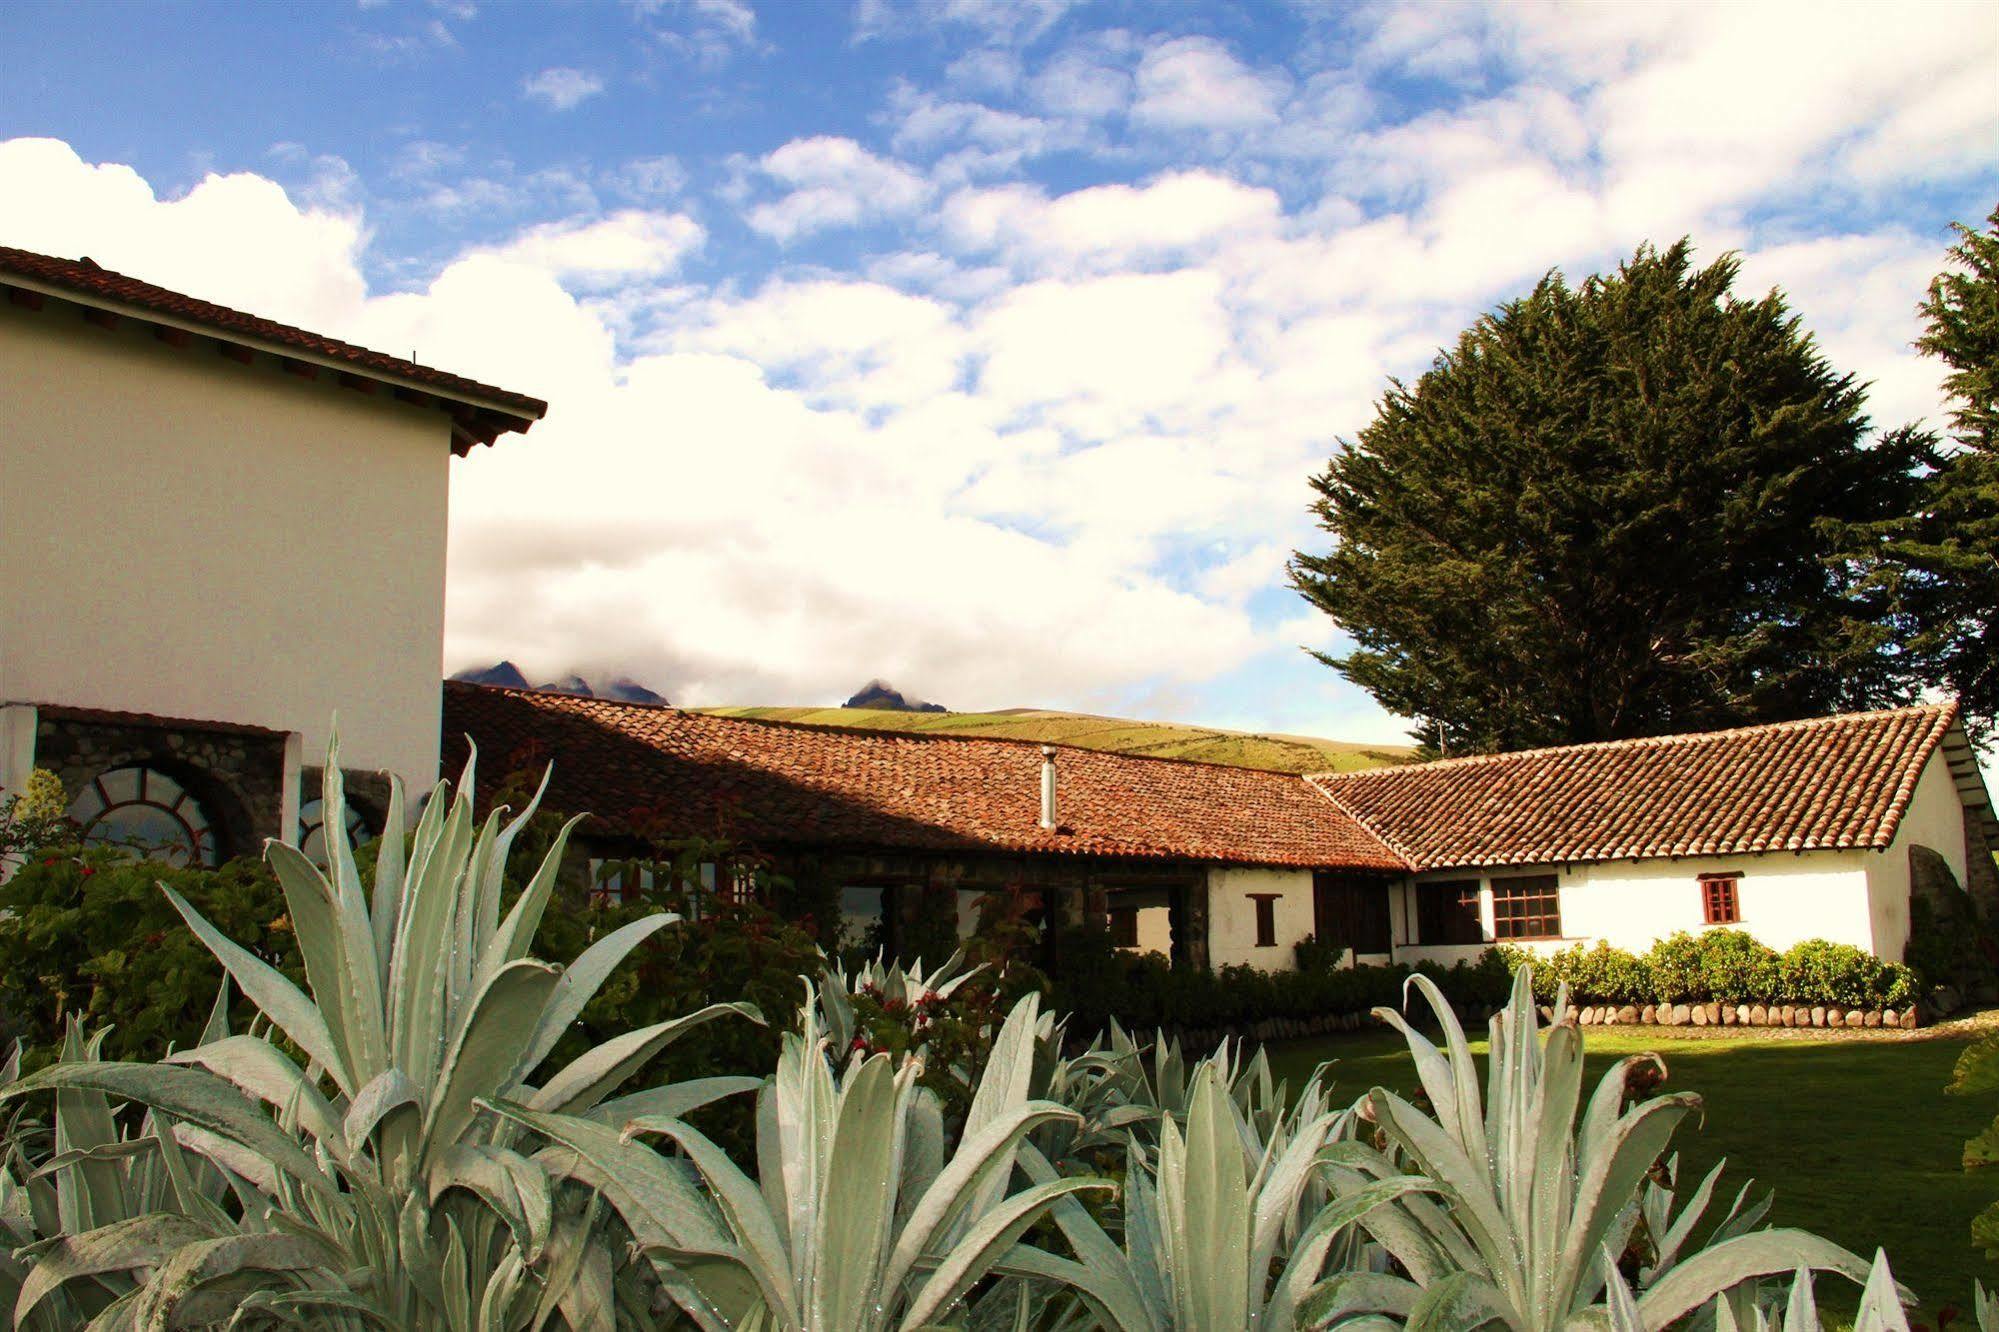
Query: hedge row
point(1144, 992)
point(1726, 967)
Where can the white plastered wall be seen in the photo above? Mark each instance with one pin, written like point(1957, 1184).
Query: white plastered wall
point(1784, 897)
point(1935, 819)
point(1232, 916)
point(191, 537)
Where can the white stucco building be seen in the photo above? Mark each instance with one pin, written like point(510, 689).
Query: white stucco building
point(217, 531)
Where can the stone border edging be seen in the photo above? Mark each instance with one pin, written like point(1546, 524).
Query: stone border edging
point(1827, 1016)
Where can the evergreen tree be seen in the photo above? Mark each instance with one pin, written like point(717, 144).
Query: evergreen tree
point(1938, 570)
point(1616, 509)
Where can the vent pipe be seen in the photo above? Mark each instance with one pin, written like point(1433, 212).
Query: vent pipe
point(1048, 786)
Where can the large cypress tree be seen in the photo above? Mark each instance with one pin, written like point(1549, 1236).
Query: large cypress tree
point(1613, 509)
point(1938, 569)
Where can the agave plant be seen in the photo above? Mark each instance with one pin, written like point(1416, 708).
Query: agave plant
point(858, 1221)
point(1529, 1196)
point(1880, 1306)
point(373, 1190)
point(1209, 1238)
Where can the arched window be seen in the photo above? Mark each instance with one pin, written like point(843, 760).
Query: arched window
point(312, 828)
point(144, 810)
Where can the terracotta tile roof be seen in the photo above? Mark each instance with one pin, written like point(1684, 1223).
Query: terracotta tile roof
point(1827, 782)
point(491, 409)
point(771, 784)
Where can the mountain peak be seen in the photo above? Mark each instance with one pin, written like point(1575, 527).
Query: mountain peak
point(506, 675)
point(881, 696)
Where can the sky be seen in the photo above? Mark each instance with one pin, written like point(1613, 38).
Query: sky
point(985, 347)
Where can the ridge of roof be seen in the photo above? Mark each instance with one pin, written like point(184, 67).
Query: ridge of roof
point(1947, 709)
point(879, 733)
point(86, 277)
point(1406, 854)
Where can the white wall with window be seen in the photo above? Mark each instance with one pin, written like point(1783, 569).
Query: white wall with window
point(1782, 898)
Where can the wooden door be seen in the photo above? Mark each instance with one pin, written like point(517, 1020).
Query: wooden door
point(1351, 909)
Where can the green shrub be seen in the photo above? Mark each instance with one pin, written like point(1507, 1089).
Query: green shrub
point(88, 931)
point(1739, 968)
point(1819, 972)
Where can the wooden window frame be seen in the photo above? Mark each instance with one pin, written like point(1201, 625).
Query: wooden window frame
point(1266, 918)
point(1721, 899)
point(1449, 918)
point(1527, 907)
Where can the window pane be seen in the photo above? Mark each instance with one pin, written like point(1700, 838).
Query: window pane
point(1527, 907)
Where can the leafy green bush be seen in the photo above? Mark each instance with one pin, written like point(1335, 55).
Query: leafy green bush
point(1818, 972)
point(87, 931)
point(1719, 966)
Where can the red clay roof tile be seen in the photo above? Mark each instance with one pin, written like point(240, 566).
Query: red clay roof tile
point(772, 784)
point(1827, 782)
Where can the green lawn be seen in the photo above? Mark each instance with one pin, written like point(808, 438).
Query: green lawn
point(1855, 1135)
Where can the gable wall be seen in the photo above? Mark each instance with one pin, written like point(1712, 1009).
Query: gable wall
point(1935, 819)
point(188, 536)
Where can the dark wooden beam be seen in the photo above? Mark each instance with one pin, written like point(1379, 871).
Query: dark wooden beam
point(173, 337)
point(100, 318)
point(236, 353)
point(27, 300)
point(303, 369)
point(359, 383)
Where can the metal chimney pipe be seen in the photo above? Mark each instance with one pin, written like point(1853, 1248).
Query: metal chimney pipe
point(1048, 786)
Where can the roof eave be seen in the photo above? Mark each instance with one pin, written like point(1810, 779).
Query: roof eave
point(479, 420)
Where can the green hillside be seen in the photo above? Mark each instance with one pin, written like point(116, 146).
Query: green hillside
point(1287, 753)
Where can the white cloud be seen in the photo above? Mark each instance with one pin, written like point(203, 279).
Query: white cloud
point(1177, 214)
point(560, 88)
point(627, 244)
point(1194, 83)
point(834, 182)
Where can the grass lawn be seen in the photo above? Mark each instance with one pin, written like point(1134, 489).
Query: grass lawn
point(1855, 1135)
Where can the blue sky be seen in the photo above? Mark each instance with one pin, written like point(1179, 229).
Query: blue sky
point(986, 347)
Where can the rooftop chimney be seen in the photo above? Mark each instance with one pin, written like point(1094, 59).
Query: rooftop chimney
point(1048, 786)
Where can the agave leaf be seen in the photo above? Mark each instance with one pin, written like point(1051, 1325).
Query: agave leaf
point(1706, 1274)
point(655, 1195)
point(742, 1209)
point(584, 977)
point(1443, 1159)
point(193, 1095)
point(259, 1068)
point(1881, 1301)
point(510, 942)
point(276, 997)
point(591, 1076)
point(1339, 1298)
point(1609, 1178)
point(385, 907)
point(1461, 1301)
point(331, 925)
point(981, 1157)
point(988, 1239)
point(856, 1213)
point(672, 1100)
point(139, 1242)
point(194, 1265)
point(418, 994)
point(1204, 1208)
point(384, 1094)
point(1308, 1255)
point(488, 1057)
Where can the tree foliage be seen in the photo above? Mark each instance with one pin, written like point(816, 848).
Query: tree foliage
point(1938, 568)
point(1613, 509)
